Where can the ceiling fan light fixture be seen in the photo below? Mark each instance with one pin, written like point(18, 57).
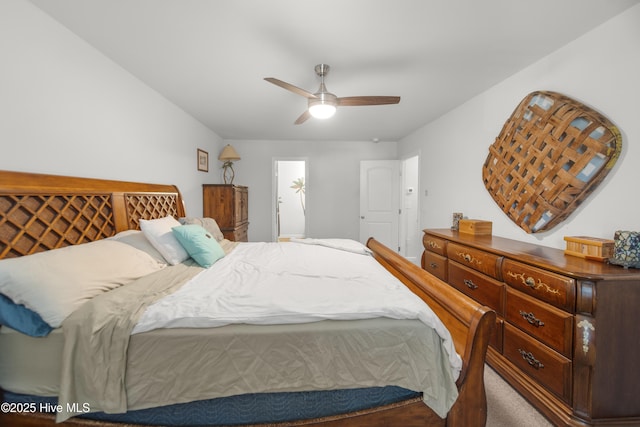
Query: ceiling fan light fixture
point(322, 111)
point(323, 106)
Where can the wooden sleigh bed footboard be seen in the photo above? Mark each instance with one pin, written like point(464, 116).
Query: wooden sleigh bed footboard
point(42, 212)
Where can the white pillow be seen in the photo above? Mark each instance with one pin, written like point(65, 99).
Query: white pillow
point(57, 282)
point(158, 232)
point(137, 239)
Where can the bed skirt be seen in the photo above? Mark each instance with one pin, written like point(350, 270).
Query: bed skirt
point(247, 408)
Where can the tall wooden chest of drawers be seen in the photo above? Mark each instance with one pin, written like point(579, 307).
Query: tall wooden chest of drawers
point(229, 206)
point(568, 335)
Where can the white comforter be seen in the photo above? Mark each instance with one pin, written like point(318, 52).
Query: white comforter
point(279, 283)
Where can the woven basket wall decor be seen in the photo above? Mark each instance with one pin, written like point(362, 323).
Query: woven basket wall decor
point(550, 155)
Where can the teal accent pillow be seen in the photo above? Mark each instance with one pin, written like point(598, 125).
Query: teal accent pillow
point(199, 244)
point(20, 318)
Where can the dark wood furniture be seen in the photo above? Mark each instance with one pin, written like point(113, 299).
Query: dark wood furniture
point(42, 212)
point(229, 206)
point(567, 328)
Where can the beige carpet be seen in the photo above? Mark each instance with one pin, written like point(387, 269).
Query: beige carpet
point(506, 407)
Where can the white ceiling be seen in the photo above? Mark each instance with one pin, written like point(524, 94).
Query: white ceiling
point(210, 56)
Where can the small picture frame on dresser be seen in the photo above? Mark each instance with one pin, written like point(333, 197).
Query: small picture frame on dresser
point(203, 160)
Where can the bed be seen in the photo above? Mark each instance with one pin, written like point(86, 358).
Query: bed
point(40, 213)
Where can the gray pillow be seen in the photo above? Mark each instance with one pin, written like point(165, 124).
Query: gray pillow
point(209, 224)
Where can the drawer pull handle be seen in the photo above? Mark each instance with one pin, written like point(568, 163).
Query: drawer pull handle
point(470, 284)
point(531, 318)
point(468, 258)
point(531, 282)
point(530, 359)
point(433, 265)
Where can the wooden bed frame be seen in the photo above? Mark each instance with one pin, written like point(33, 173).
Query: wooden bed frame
point(42, 212)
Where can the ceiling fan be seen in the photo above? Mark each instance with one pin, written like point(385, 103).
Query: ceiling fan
point(323, 104)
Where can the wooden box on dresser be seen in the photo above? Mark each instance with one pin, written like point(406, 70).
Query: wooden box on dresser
point(568, 335)
point(229, 206)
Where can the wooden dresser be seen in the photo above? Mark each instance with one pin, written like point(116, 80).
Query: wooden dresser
point(229, 206)
point(568, 335)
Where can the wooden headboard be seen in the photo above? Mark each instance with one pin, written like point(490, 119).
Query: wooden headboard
point(40, 212)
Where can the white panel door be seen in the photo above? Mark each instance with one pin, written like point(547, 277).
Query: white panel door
point(380, 201)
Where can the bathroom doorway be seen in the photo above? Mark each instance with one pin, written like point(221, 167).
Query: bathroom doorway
point(290, 188)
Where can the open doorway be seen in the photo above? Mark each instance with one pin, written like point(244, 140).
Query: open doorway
point(290, 187)
point(410, 233)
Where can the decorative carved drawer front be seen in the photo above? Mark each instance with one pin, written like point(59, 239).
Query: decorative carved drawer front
point(436, 265)
point(434, 244)
point(546, 366)
point(546, 323)
point(480, 287)
point(544, 285)
point(478, 260)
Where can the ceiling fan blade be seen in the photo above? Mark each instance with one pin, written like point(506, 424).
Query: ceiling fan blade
point(290, 87)
point(351, 101)
point(303, 118)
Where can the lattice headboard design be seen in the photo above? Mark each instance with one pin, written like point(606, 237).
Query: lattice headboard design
point(43, 212)
point(145, 206)
point(33, 223)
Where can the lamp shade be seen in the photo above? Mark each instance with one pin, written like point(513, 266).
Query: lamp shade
point(228, 153)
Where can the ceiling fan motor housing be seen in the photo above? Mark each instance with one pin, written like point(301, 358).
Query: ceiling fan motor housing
point(322, 69)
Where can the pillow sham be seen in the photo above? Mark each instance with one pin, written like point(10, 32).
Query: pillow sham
point(137, 239)
point(20, 318)
point(199, 243)
point(158, 232)
point(57, 282)
point(209, 224)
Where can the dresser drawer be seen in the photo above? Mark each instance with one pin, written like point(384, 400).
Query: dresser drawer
point(544, 285)
point(546, 323)
point(546, 366)
point(241, 233)
point(434, 244)
point(478, 260)
point(498, 334)
point(238, 234)
point(436, 265)
point(478, 286)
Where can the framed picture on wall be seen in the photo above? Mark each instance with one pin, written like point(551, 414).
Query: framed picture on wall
point(203, 160)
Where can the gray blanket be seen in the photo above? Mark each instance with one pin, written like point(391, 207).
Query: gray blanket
point(106, 369)
point(96, 339)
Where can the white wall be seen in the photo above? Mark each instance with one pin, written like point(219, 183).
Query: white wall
point(333, 187)
point(601, 69)
point(66, 109)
